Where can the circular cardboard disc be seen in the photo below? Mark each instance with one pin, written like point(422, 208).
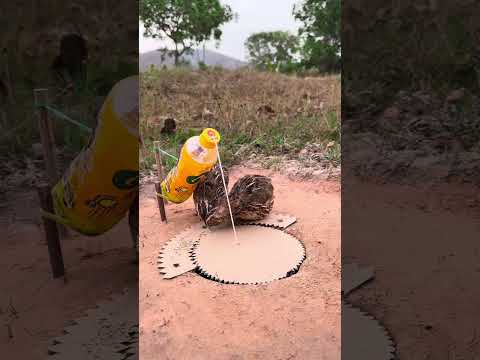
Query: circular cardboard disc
point(261, 255)
point(363, 338)
point(109, 331)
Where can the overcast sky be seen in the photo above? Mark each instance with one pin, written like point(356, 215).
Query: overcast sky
point(254, 16)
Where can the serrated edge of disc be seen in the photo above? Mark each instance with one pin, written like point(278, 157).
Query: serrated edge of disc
point(390, 340)
point(68, 330)
point(160, 258)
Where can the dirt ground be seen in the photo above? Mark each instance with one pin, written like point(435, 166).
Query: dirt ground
point(190, 317)
point(429, 303)
point(34, 308)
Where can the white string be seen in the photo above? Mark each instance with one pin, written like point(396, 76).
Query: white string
point(226, 195)
point(166, 153)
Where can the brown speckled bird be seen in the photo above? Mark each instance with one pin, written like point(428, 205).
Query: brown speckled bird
point(209, 193)
point(251, 198)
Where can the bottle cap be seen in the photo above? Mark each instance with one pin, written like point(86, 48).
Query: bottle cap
point(209, 138)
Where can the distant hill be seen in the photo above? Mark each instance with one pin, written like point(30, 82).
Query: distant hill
point(212, 58)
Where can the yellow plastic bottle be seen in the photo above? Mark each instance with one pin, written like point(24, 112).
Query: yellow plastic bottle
point(101, 183)
point(198, 156)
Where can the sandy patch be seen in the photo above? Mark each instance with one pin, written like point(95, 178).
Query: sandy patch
point(35, 307)
point(190, 317)
point(423, 244)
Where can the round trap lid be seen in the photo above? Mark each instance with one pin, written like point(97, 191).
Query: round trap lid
point(363, 338)
point(109, 331)
point(261, 255)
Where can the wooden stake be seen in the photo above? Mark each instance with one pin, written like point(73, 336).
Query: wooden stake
point(41, 98)
point(161, 204)
point(3, 116)
point(155, 107)
point(45, 125)
point(161, 176)
point(51, 233)
point(158, 160)
point(11, 96)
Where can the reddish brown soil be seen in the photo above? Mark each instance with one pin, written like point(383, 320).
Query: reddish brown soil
point(34, 306)
point(423, 243)
point(190, 317)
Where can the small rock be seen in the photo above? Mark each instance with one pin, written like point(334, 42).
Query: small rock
point(265, 109)
point(456, 95)
point(391, 113)
point(169, 126)
point(207, 114)
point(318, 174)
point(382, 13)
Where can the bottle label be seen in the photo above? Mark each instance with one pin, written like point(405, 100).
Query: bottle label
point(194, 179)
point(197, 151)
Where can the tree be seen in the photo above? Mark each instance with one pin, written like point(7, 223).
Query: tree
point(185, 22)
point(273, 51)
point(321, 33)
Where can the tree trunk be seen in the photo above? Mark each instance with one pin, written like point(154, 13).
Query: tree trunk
point(177, 55)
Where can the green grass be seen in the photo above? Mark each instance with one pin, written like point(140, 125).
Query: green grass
point(279, 139)
point(305, 111)
point(81, 104)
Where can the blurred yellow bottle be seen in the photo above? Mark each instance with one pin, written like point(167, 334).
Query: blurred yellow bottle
point(198, 156)
point(100, 185)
